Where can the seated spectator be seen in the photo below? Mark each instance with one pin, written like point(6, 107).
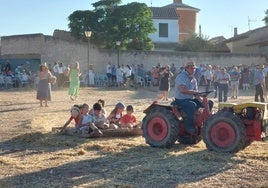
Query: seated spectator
point(116, 115)
point(86, 123)
point(102, 103)
point(2, 80)
point(75, 115)
point(25, 77)
point(98, 118)
point(128, 120)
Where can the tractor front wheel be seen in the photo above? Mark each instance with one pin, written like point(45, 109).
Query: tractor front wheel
point(224, 132)
point(160, 127)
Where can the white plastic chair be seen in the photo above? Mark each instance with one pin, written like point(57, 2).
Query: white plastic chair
point(2, 81)
point(140, 80)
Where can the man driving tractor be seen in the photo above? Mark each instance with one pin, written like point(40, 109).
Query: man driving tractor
point(185, 92)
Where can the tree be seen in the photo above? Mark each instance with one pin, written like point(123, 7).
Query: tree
point(265, 19)
point(131, 24)
point(197, 43)
point(95, 21)
point(79, 22)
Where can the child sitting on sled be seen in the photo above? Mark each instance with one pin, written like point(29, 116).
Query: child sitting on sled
point(75, 115)
point(128, 120)
point(86, 123)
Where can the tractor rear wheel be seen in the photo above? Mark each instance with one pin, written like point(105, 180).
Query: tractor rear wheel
point(224, 132)
point(160, 127)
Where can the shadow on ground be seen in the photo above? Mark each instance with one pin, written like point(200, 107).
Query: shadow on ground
point(137, 166)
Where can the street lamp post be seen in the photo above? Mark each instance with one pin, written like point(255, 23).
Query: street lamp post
point(88, 35)
point(118, 47)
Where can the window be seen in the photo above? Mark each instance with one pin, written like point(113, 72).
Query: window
point(163, 30)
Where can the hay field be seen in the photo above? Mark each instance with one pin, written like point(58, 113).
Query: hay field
point(32, 156)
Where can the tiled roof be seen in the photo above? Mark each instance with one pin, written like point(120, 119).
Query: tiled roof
point(182, 6)
point(164, 13)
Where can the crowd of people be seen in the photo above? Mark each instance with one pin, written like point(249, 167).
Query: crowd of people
point(226, 81)
point(21, 76)
point(94, 121)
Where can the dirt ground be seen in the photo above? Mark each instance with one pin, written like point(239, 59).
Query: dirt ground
point(31, 155)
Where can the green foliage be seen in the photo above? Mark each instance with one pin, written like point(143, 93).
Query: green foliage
point(106, 4)
point(130, 24)
point(265, 19)
point(79, 22)
point(197, 43)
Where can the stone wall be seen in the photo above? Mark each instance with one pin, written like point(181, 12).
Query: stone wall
point(53, 49)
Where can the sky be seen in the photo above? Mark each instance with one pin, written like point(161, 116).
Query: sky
point(216, 17)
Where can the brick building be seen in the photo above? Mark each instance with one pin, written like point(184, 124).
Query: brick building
point(187, 19)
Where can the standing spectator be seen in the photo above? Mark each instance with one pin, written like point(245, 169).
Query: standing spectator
point(223, 80)
point(60, 77)
point(266, 75)
point(245, 78)
point(50, 68)
point(74, 81)
point(67, 70)
point(109, 73)
point(216, 72)
point(44, 87)
point(113, 75)
point(128, 73)
point(173, 70)
point(91, 77)
point(235, 77)
point(155, 72)
point(259, 83)
point(7, 67)
point(133, 71)
point(55, 69)
point(55, 72)
point(119, 76)
point(164, 87)
point(124, 70)
point(208, 77)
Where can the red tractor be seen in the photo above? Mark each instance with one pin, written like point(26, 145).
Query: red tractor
point(228, 130)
